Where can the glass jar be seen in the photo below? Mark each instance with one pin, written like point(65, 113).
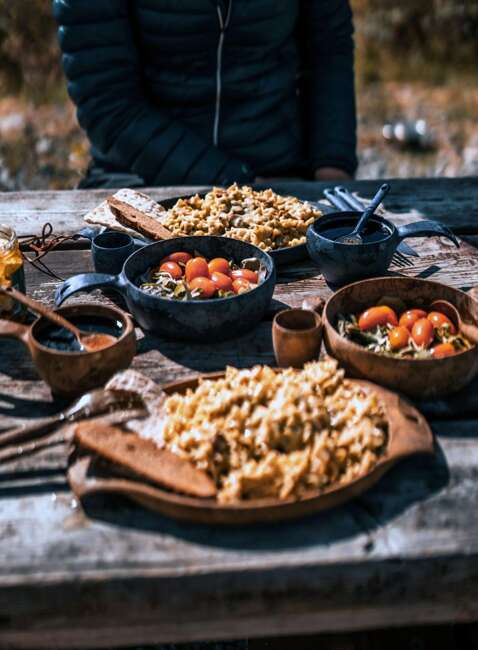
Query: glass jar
point(12, 272)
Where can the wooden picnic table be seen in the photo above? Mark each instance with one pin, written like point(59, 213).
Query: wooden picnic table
point(110, 574)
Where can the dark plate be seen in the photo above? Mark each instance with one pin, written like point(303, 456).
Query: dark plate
point(281, 256)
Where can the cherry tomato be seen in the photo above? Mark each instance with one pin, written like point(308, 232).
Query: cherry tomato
point(241, 286)
point(196, 268)
point(219, 264)
point(437, 319)
point(222, 281)
point(443, 350)
point(422, 332)
point(410, 317)
point(180, 257)
point(374, 316)
point(245, 274)
point(398, 337)
point(173, 269)
point(207, 286)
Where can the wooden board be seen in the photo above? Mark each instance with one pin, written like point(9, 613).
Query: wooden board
point(115, 575)
point(449, 200)
point(408, 434)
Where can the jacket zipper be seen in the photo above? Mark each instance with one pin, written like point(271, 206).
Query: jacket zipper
point(223, 23)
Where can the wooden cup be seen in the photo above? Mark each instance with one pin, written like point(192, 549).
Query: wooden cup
point(296, 336)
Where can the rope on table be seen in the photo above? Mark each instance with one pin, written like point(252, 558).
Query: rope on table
point(41, 245)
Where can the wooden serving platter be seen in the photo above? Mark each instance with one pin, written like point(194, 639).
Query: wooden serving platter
point(408, 434)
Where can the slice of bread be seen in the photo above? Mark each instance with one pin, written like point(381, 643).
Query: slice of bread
point(103, 216)
point(138, 211)
point(144, 458)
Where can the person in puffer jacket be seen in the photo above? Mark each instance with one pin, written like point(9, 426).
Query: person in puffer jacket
point(192, 92)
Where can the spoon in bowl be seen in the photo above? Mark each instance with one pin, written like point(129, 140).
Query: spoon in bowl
point(469, 330)
point(355, 237)
point(89, 341)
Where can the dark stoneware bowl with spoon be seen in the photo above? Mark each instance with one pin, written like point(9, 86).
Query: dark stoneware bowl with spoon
point(342, 263)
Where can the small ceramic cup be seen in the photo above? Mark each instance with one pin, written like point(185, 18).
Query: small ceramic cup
point(110, 250)
point(296, 336)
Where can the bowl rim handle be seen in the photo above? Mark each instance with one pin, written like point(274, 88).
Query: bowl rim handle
point(88, 282)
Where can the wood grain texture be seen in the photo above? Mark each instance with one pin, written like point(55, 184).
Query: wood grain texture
point(453, 201)
point(113, 574)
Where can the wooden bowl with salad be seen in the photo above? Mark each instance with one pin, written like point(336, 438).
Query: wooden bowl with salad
point(388, 331)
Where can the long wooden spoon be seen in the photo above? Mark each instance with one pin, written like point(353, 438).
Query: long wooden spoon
point(469, 330)
point(89, 341)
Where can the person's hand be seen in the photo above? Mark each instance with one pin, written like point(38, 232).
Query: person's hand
point(331, 174)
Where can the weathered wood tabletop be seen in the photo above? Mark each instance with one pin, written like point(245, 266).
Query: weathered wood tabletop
point(112, 574)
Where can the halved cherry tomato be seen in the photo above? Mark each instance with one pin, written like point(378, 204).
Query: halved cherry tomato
point(222, 281)
point(219, 264)
point(423, 333)
point(173, 269)
point(437, 319)
point(196, 268)
point(207, 286)
point(374, 316)
point(241, 286)
point(398, 337)
point(181, 257)
point(410, 317)
point(245, 274)
point(443, 350)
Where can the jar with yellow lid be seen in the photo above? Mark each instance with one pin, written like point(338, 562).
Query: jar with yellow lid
point(12, 273)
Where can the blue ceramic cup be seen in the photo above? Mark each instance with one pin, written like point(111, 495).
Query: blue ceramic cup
point(110, 250)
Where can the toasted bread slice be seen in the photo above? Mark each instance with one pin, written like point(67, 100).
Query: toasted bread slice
point(102, 216)
point(144, 458)
point(139, 212)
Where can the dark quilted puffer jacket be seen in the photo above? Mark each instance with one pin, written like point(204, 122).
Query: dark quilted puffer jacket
point(211, 91)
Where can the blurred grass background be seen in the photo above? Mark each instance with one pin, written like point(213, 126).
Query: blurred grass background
point(414, 60)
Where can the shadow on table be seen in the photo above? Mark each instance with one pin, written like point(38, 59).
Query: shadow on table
point(459, 406)
point(295, 272)
point(22, 407)
point(410, 482)
point(241, 352)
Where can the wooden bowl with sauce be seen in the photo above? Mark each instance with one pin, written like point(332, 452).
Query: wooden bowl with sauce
point(56, 355)
point(418, 378)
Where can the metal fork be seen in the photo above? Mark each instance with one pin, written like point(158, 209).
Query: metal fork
point(401, 260)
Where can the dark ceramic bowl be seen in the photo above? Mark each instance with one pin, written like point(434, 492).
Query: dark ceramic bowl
point(281, 256)
point(193, 320)
point(342, 263)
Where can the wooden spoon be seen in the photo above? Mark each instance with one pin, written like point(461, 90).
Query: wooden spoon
point(469, 330)
point(89, 341)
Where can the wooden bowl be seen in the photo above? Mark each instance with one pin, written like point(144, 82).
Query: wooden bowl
point(419, 378)
point(70, 374)
point(408, 433)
